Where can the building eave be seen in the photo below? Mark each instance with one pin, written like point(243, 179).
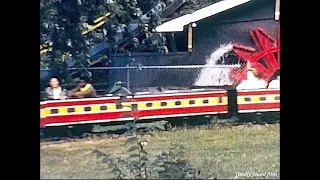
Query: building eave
point(177, 24)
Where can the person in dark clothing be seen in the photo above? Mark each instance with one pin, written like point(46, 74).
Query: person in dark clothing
point(83, 90)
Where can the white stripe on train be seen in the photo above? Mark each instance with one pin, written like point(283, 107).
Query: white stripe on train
point(259, 110)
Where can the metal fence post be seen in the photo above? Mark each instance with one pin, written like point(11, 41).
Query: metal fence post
point(128, 77)
point(128, 71)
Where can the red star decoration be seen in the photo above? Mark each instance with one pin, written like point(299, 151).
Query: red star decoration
point(265, 57)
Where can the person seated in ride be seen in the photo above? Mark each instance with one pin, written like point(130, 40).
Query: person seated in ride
point(254, 81)
point(83, 90)
point(262, 83)
point(55, 91)
point(119, 90)
point(275, 84)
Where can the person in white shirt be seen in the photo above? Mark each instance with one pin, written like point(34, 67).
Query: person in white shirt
point(55, 91)
point(253, 81)
point(275, 84)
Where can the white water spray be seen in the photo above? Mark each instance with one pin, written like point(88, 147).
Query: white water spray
point(215, 76)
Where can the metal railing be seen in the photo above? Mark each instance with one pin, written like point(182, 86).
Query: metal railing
point(146, 78)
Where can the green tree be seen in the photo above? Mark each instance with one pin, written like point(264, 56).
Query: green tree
point(60, 28)
point(129, 28)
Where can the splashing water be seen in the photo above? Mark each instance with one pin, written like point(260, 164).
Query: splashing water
point(215, 76)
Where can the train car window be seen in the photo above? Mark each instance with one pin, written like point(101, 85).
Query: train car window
point(220, 99)
point(149, 104)
point(163, 104)
point(119, 106)
point(87, 109)
point(277, 98)
point(134, 107)
point(247, 99)
point(192, 102)
point(177, 103)
point(103, 108)
point(263, 98)
point(205, 101)
point(54, 111)
point(71, 110)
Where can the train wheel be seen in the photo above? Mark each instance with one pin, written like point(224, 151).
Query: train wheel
point(167, 126)
point(176, 122)
point(57, 132)
point(81, 130)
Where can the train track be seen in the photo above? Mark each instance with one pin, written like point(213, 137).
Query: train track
point(122, 133)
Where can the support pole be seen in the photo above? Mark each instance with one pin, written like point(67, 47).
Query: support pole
point(190, 37)
point(277, 11)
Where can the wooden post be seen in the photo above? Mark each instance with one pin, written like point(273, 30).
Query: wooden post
point(277, 11)
point(190, 37)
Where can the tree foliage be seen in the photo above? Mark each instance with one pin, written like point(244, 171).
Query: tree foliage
point(130, 27)
point(193, 5)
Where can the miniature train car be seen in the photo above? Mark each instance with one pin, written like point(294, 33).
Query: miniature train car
point(152, 106)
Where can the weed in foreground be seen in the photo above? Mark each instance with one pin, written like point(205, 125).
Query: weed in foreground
point(167, 164)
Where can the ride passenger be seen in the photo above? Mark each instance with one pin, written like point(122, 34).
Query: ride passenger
point(83, 90)
point(254, 81)
point(275, 84)
point(55, 91)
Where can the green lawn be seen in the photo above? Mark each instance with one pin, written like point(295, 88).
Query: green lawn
point(225, 151)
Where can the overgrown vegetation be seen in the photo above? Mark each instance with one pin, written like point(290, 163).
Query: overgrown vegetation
point(167, 164)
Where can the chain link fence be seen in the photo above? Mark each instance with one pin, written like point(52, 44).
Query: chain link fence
point(149, 78)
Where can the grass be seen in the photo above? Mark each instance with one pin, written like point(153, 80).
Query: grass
point(225, 151)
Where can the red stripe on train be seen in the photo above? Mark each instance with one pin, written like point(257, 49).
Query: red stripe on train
point(84, 117)
point(258, 106)
point(42, 122)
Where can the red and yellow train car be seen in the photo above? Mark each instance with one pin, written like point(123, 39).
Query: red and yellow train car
point(153, 106)
point(262, 100)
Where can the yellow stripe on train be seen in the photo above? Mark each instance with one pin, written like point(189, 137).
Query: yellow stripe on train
point(258, 99)
point(44, 113)
point(184, 102)
point(141, 106)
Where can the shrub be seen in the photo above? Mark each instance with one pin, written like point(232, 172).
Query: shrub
point(167, 164)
